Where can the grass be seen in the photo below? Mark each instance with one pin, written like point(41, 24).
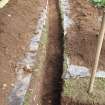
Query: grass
point(77, 89)
point(27, 97)
point(44, 38)
point(98, 3)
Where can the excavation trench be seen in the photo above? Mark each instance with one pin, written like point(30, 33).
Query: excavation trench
point(53, 70)
point(49, 90)
point(52, 84)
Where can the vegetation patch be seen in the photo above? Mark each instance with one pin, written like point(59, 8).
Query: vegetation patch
point(77, 89)
point(27, 97)
point(98, 3)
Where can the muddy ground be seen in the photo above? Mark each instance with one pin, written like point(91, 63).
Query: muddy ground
point(17, 23)
point(82, 37)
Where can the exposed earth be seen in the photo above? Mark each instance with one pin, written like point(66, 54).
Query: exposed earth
point(52, 81)
point(81, 40)
point(17, 24)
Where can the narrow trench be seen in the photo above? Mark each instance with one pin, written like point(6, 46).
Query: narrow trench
point(52, 81)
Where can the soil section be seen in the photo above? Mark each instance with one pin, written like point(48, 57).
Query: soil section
point(52, 82)
point(17, 24)
point(83, 34)
point(81, 42)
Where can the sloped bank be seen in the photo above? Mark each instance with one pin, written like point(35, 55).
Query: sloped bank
point(26, 65)
point(17, 24)
point(34, 92)
point(75, 65)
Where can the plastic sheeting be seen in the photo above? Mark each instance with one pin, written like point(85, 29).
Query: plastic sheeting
point(81, 71)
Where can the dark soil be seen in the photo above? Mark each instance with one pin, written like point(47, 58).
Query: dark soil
point(17, 23)
point(83, 34)
point(52, 82)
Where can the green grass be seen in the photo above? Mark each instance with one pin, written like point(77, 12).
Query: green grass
point(65, 62)
point(77, 89)
point(44, 38)
point(98, 3)
point(27, 97)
